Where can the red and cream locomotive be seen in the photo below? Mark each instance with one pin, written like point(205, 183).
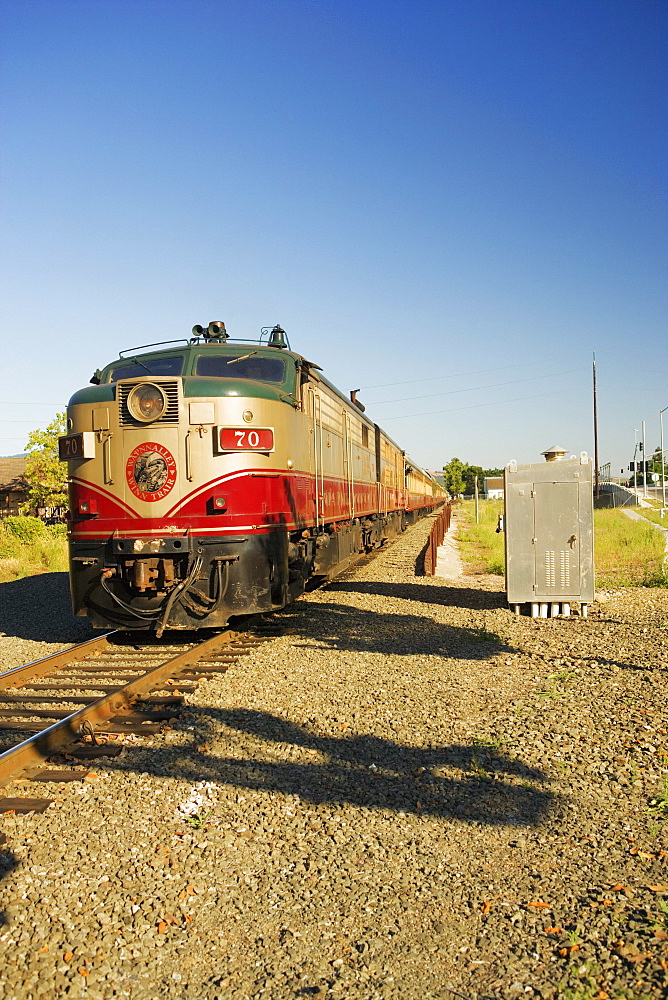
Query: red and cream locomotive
point(210, 478)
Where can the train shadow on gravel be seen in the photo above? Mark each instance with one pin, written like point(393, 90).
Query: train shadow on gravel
point(356, 630)
point(474, 784)
point(457, 597)
point(38, 608)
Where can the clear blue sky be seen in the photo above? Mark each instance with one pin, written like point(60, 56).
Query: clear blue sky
point(447, 204)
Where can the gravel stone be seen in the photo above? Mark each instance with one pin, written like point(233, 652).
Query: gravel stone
point(409, 793)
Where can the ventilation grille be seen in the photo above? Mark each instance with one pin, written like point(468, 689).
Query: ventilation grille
point(560, 563)
point(171, 415)
point(549, 568)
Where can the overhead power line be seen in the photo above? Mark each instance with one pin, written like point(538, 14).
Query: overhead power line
point(475, 388)
point(475, 406)
point(478, 371)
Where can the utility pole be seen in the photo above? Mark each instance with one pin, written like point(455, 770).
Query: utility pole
point(596, 479)
point(644, 461)
point(635, 464)
point(663, 464)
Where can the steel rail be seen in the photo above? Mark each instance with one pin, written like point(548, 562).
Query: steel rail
point(44, 666)
point(40, 746)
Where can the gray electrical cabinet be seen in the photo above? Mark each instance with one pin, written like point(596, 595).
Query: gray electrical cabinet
point(549, 536)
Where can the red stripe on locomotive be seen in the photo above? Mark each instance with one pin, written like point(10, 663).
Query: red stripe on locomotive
point(270, 497)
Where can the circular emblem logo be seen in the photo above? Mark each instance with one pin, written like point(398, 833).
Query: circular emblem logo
point(150, 471)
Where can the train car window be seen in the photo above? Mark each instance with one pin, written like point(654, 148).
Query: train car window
point(259, 368)
point(365, 436)
point(135, 368)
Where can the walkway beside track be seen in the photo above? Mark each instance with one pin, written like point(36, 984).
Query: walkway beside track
point(449, 565)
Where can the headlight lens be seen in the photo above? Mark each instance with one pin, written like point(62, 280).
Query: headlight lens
point(147, 402)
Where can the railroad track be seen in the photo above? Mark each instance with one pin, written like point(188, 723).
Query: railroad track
point(116, 684)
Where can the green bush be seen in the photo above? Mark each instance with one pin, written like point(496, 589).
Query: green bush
point(27, 529)
point(8, 544)
point(46, 553)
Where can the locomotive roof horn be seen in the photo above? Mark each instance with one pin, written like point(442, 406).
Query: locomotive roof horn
point(216, 331)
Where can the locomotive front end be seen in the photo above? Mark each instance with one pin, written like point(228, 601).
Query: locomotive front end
point(180, 503)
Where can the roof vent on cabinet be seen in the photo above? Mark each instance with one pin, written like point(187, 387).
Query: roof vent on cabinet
point(554, 454)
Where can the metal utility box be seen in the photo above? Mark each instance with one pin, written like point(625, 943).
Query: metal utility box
point(549, 536)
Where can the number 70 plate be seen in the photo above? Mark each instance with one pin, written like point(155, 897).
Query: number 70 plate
point(245, 439)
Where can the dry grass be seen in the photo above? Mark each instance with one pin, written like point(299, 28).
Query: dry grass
point(627, 552)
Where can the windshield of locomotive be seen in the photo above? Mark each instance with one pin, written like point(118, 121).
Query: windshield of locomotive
point(242, 365)
point(136, 367)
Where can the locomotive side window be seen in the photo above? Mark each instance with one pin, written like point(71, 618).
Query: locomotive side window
point(254, 367)
point(150, 366)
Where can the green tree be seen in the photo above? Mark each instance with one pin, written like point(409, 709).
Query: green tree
point(470, 472)
point(46, 475)
point(453, 473)
point(491, 473)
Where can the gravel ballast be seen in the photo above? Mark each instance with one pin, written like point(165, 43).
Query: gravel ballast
point(412, 793)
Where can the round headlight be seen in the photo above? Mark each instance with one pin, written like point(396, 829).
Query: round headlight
point(147, 402)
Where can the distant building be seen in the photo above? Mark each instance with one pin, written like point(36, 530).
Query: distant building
point(493, 487)
point(13, 485)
